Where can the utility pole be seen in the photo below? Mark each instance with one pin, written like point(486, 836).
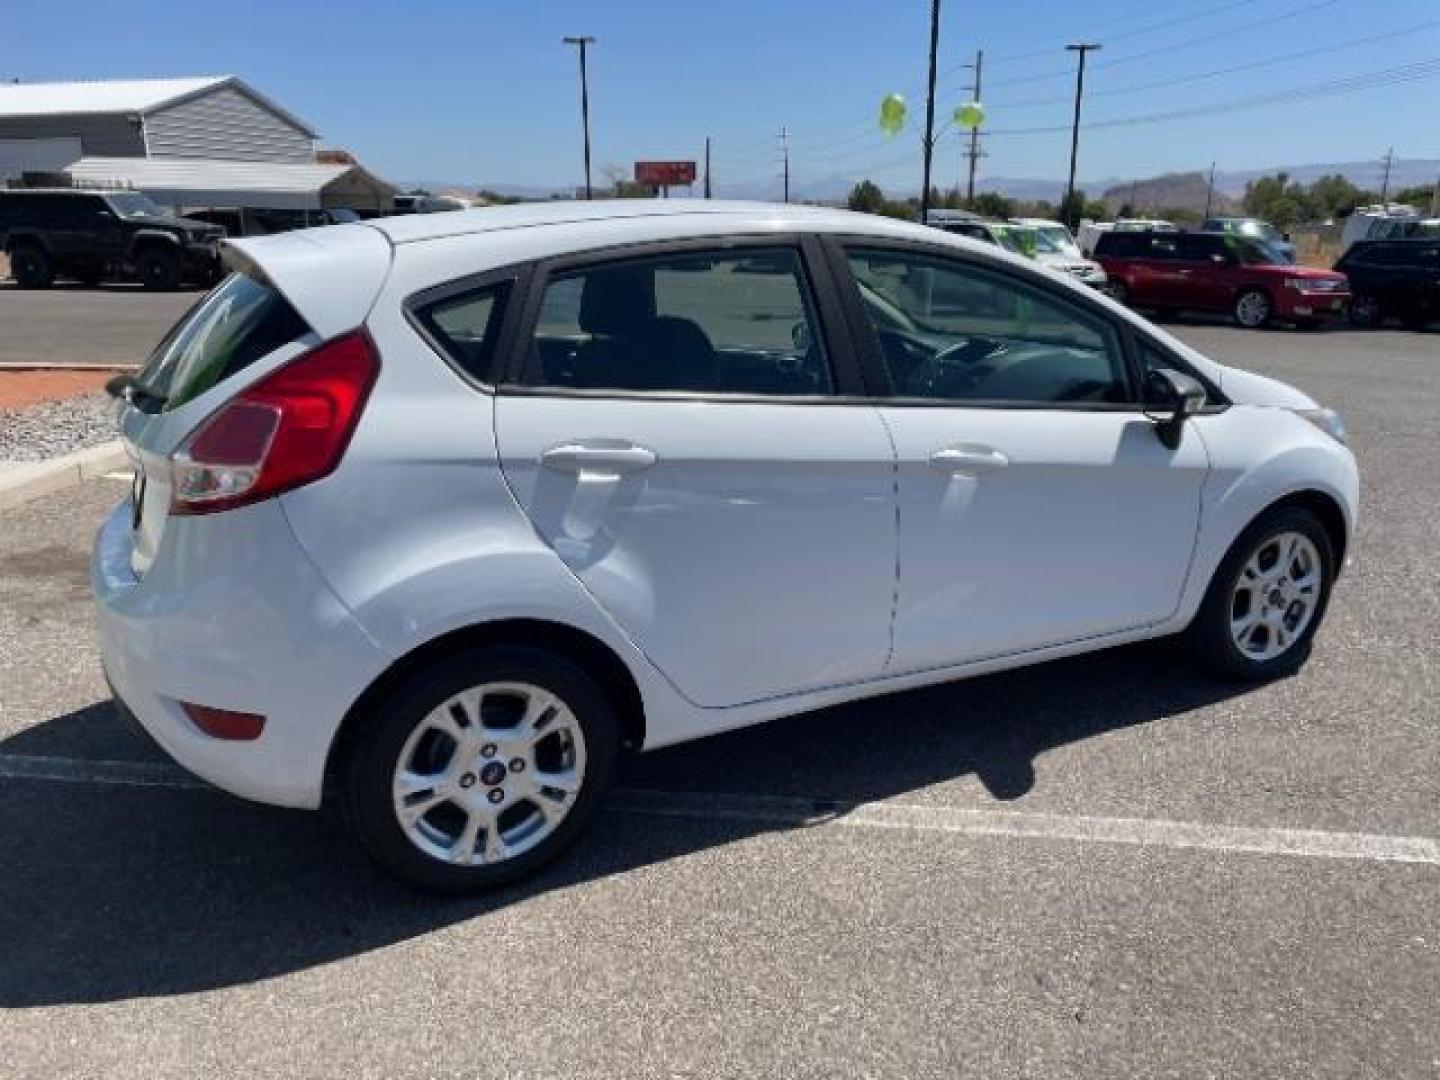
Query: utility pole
point(930, 110)
point(974, 153)
point(1082, 48)
point(707, 166)
point(584, 104)
point(1210, 190)
point(1388, 160)
point(785, 160)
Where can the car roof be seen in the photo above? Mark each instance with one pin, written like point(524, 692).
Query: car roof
point(732, 216)
point(66, 191)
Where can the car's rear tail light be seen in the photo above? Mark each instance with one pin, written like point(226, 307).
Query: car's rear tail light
point(289, 429)
point(224, 724)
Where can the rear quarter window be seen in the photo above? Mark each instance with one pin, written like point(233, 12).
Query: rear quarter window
point(465, 327)
point(231, 328)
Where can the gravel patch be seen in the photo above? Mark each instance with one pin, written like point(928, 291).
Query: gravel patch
point(44, 431)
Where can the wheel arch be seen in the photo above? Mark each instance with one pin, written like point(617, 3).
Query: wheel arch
point(585, 649)
point(34, 238)
point(1325, 507)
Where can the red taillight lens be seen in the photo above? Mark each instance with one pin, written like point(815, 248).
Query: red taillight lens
point(224, 724)
point(289, 429)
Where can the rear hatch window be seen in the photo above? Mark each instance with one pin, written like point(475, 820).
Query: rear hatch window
point(239, 322)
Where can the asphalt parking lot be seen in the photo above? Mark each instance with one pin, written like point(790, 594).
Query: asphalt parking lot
point(74, 324)
point(1102, 867)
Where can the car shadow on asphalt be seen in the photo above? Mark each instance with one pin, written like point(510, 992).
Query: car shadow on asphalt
point(109, 892)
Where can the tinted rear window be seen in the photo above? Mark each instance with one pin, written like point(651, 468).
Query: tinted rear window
point(241, 321)
point(1123, 245)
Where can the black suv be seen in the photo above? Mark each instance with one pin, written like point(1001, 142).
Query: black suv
point(100, 235)
point(1399, 278)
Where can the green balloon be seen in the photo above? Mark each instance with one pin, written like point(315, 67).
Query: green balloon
point(892, 114)
point(970, 115)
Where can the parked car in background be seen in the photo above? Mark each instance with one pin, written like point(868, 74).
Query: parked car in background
point(1255, 228)
point(1017, 238)
point(1056, 248)
point(94, 236)
point(685, 515)
point(942, 216)
point(1393, 279)
point(1091, 231)
point(1219, 273)
point(1393, 221)
point(266, 221)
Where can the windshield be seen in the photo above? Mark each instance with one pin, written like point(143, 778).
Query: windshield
point(134, 205)
point(1253, 252)
point(1059, 237)
point(1261, 230)
point(1020, 240)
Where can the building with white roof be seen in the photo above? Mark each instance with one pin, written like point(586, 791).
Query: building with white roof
point(208, 141)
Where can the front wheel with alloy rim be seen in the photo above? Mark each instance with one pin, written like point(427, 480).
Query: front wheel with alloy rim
point(1268, 596)
point(481, 768)
point(1252, 308)
point(160, 269)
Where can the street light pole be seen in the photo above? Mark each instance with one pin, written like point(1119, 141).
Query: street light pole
point(584, 104)
point(1082, 48)
point(930, 110)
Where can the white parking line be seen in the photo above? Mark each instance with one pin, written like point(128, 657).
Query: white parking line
point(811, 813)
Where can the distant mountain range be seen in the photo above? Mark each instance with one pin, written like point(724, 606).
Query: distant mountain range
point(1188, 188)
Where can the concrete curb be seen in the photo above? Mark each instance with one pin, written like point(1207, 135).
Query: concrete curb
point(21, 481)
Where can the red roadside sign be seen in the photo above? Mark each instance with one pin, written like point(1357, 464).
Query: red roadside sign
point(664, 173)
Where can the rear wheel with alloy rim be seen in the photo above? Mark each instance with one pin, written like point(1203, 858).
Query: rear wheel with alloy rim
point(482, 768)
point(1365, 311)
point(1252, 308)
point(31, 266)
point(1267, 597)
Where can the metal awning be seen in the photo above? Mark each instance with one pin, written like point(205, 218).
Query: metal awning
point(194, 183)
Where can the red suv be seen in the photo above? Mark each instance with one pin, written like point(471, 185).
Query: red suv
point(1209, 272)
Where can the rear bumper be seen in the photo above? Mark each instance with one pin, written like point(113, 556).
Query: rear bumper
point(232, 615)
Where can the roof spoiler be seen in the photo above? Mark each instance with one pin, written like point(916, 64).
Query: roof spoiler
point(331, 276)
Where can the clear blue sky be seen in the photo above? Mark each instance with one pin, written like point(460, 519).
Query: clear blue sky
point(484, 91)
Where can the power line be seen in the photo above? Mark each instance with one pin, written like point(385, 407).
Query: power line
point(1175, 46)
point(1386, 77)
point(1148, 28)
point(854, 133)
point(1303, 54)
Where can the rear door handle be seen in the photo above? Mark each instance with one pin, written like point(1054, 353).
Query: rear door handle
point(598, 457)
point(968, 458)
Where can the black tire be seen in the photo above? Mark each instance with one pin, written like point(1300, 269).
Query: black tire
point(375, 755)
point(159, 269)
point(1366, 311)
point(1209, 633)
point(31, 266)
point(1414, 320)
point(1252, 308)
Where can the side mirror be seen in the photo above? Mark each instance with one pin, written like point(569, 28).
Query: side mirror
point(1174, 397)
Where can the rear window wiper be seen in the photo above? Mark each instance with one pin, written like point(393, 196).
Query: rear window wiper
point(133, 391)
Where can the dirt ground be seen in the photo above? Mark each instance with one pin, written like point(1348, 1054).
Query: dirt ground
point(21, 388)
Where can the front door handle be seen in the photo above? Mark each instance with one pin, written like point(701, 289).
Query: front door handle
point(968, 458)
point(598, 457)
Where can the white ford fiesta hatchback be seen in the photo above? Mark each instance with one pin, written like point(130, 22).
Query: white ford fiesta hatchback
point(454, 508)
